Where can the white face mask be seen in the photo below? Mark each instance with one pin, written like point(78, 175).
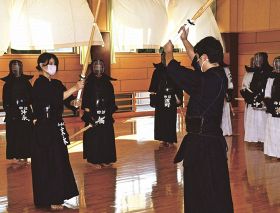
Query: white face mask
point(51, 69)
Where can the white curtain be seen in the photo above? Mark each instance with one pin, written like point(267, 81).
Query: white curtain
point(4, 25)
point(39, 24)
point(179, 11)
point(138, 23)
point(151, 23)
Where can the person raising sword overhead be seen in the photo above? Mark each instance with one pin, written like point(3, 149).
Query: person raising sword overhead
point(203, 149)
point(165, 97)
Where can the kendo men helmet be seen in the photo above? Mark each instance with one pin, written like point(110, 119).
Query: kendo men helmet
point(98, 68)
point(15, 67)
point(276, 64)
point(260, 59)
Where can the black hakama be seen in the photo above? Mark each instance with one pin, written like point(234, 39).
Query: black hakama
point(52, 175)
point(165, 104)
point(99, 141)
point(17, 106)
point(203, 149)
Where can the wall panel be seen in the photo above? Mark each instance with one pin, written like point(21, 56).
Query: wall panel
point(267, 41)
point(248, 15)
point(274, 22)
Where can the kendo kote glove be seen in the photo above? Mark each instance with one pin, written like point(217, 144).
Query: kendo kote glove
point(229, 95)
point(87, 118)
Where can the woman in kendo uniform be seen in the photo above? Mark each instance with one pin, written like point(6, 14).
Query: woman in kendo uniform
point(52, 175)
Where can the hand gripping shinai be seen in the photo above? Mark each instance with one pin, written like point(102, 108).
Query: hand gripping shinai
point(193, 19)
point(77, 102)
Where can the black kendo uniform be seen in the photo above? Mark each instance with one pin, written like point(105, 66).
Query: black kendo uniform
point(246, 92)
point(165, 104)
point(258, 84)
point(17, 106)
point(53, 179)
point(256, 116)
point(203, 149)
point(99, 141)
point(274, 103)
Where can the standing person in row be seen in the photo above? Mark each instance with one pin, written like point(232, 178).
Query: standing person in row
point(99, 105)
point(203, 149)
point(226, 119)
point(165, 97)
point(17, 92)
point(52, 175)
point(245, 88)
point(256, 116)
point(272, 100)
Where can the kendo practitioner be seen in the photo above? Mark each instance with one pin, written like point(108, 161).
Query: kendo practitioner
point(203, 149)
point(52, 175)
point(245, 91)
point(256, 116)
point(272, 101)
point(17, 92)
point(165, 97)
point(226, 119)
point(99, 105)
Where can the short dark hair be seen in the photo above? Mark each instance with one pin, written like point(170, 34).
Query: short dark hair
point(212, 48)
point(15, 62)
point(46, 57)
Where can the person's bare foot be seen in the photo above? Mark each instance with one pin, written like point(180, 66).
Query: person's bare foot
point(57, 207)
point(97, 166)
point(164, 144)
point(106, 164)
point(23, 160)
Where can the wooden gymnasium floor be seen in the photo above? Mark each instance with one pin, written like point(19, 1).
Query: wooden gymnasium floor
point(144, 179)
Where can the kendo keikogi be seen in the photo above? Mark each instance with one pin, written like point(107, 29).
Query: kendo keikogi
point(272, 101)
point(52, 175)
point(165, 97)
point(260, 76)
point(226, 119)
point(245, 87)
point(203, 149)
point(17, 92)
point(256, 116)
point(245, 91)
point(99, 105)
point(274, 108)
